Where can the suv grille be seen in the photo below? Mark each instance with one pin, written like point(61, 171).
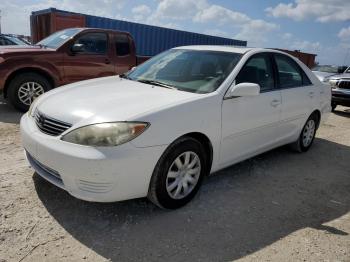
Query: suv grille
point(50, 125)
point(344, 84)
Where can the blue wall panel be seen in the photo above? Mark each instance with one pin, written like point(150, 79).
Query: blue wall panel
point(151, 40)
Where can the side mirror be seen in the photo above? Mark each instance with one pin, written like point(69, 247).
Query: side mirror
point(76, 48)
point(243, 89)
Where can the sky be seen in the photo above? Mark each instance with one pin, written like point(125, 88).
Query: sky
point(317, 26)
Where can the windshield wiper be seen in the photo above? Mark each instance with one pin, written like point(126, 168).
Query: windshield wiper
point(156, 83)
point(41, 45)
point(125, 76)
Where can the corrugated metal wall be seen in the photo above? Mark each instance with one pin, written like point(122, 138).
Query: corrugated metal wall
point(149, 40)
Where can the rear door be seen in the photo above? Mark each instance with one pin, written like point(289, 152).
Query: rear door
point(93, 61)
point(125, 57)
point(299, 96)
point(251, 124)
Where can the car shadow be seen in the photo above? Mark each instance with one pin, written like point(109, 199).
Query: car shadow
point(238, 210)
point(345, 112)
point(7, 113)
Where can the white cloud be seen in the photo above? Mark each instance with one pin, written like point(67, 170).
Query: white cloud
point(344, 34)
point(287, 36)
point(306, 46)
point(320, 10)
point(178, 10)
point(140, 12)
point(253, 30)
point(256, 32)
point(221, 15)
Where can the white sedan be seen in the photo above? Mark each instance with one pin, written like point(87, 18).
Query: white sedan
point(158, 130)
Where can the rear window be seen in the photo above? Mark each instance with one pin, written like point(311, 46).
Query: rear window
point(122, 45)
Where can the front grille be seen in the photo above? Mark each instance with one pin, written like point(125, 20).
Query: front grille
point(45, 172)
point(344, 84)
point(50, 125)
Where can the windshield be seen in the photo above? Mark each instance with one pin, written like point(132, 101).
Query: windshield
point(187, 70)
point(57, 39)
point(16, 40)
point(326, 69)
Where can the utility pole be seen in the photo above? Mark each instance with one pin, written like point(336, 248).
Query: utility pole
point(0, 21)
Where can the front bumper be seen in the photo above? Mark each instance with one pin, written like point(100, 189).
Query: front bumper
point(94, 174)
point(341, 96)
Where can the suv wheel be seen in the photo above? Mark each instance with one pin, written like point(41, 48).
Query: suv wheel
point(25, 88)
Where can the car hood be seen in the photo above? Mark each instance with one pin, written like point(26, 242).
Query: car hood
point(23, 49)
point(344, 75)
point(322, 75)
point(108, 99)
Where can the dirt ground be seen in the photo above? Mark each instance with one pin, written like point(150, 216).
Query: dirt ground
point(279, 206)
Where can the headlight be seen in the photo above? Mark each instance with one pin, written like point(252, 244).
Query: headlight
point(105, 134)
point(333, 82)
point(325, 80)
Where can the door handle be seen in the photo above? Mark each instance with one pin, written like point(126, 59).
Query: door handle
point(275, 102)
point(107, 61)
point(311, 94)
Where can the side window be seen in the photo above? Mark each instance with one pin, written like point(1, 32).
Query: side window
point(122, 45)
point(288, 71)
point(306, 80)
point(258, 70)
point(94, 43)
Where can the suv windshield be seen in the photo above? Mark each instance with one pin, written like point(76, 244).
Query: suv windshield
point(188, 70)
point(57, 39)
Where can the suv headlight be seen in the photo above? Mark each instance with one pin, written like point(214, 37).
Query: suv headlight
point(106, 134)
point(333, 82)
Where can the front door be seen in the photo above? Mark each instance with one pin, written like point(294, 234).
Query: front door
point(92, 61)
point(251, 124)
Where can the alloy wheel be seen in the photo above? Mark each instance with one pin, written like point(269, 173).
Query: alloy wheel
point(29, 91)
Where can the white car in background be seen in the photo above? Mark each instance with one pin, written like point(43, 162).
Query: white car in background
point(324, 72)
point(160, 129)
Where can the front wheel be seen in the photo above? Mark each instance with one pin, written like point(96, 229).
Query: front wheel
point(307, 134)
point(25, 88)
point(178, 174)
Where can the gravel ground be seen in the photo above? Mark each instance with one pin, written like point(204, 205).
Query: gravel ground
point(279, 206)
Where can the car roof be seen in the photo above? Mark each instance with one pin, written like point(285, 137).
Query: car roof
point(227, 48)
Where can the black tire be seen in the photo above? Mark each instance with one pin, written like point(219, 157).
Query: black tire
point(299, 145)
point(334, 105)
point(157, 192)
point(18, 81)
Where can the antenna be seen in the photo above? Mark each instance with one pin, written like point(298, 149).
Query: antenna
point(0, 21)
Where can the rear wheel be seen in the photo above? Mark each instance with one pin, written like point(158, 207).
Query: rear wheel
point(178, 174)
point(334, 105)
point(25, 88)
point(307, 135)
